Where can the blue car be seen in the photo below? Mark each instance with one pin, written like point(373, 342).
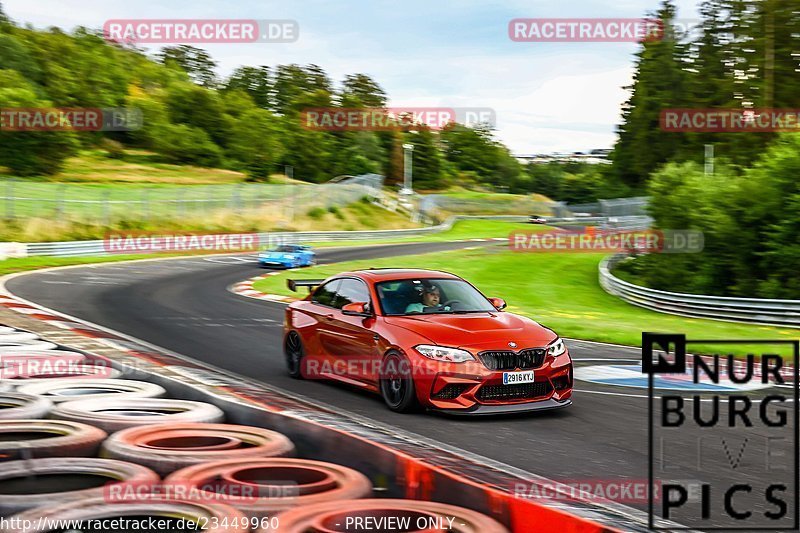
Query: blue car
point(287, 256)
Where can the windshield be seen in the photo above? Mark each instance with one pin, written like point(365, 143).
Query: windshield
point(288, 249)
point(430, 296)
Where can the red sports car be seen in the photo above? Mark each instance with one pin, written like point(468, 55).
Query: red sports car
point(425, 339)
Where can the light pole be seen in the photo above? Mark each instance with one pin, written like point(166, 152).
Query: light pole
point(709, 160)
point(408, 150)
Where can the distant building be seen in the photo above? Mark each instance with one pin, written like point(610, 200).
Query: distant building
point(598, 156)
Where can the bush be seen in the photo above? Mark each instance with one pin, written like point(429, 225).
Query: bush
point(316, 213)
point(185, 144)
point(114, 149)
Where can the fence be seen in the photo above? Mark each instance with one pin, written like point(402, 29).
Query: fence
point(106, 203)
point(759, 311)
point(502, 204)
point(98, 247)
point(614, 207)
point(496, 204)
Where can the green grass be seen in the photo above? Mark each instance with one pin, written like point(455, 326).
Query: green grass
point(559, 290)
point(461, 230)
point(136, 167)
point(492, 196)
point(24, 264)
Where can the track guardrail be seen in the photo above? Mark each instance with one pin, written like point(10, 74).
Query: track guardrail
point(753, 310)
point(98, 247)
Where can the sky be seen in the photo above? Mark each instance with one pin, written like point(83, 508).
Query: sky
point(548, 97)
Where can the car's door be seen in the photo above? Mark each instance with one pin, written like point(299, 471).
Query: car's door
point(353, 341)
point(322, 312)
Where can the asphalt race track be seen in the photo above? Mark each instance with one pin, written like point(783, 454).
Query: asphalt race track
point(184, 305)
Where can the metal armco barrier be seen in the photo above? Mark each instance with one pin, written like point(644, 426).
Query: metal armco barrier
point(753, 310)
point(98, 248)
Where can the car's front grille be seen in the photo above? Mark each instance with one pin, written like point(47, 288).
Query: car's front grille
point(450, 391)
point(508, 360)
point(521, 391)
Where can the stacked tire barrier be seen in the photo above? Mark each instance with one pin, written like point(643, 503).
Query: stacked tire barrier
point(74, 446)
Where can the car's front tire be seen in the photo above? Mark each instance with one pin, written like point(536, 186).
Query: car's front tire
point(293, 351)
point(397, 384)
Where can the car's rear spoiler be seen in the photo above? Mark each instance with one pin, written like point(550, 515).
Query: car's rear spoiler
point(293, 284)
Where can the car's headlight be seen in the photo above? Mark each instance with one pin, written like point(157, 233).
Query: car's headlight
point(444, 354)
point(289, 257)
point(557, 348)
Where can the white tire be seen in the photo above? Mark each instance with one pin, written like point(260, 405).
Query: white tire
point(18, 336)
point(66, 390)
point(80, 371)
point(118, 414)
point(27, 363)
point(32, 345)
point(24, 439)
point(35, 483)
point(18, 406)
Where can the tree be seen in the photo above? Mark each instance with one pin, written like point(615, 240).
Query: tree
point(30, 153)
point(198, 107)
point(659, 83)
point(186, 144)
point(474, 150)
point(194, 61)
point(255, 142)
point(255, 81)
point(296, 88)
point(359, 90)
point(14, 55)
point(427, 161)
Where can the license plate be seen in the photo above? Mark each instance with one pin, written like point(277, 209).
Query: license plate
point(512, 378)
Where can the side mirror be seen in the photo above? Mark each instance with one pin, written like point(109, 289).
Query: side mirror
point(498, 303)
point(356, 309)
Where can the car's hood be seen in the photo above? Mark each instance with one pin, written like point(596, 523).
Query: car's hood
point(480, 331)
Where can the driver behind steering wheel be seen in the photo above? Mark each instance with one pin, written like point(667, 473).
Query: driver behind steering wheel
point(431, 301)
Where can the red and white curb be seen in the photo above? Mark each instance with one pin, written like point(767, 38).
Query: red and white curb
point(245, 288)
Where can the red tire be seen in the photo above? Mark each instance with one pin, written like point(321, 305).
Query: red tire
point(167, 448)
point(225, 518)
point(116, 415)
point(24, 439)
point(262, 487)
point(418, 515)
point(38, 482)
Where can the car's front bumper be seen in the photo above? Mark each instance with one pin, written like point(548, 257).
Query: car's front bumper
point(474, 389)
point(499, 409)
point(274, 263)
